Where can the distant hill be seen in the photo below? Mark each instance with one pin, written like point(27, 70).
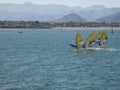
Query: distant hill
point(72, 17)
point(92, 15)
point(29, 11)
point(109, 19)
point(95, 7)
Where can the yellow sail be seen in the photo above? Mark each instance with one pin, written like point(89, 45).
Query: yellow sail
point(78, 38)
point(91, 37)
point(98, 36)
point(101, 36)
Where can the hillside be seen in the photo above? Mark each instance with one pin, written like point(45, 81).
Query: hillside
point(72, 17)
point(114, 18)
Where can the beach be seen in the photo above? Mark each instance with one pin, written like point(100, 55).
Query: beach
point(88, 28)
point(66, 28)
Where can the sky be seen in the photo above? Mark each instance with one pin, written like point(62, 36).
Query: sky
point(82, 3)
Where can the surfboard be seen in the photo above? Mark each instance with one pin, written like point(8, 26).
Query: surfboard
point(92, 48)
point(103, 49)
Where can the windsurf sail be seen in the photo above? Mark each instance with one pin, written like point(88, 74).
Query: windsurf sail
point(98, 36)
point(91, 37)
point(78, 39)
point(101, 36)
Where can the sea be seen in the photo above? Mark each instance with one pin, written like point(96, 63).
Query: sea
point(42, 59)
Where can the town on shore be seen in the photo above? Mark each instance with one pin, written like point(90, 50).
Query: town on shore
point(53, 24)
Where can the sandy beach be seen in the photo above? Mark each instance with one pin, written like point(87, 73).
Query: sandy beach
point(88, 28)
point(66, 28)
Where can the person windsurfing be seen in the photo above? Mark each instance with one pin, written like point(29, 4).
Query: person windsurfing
point(79, 42)
point(101, 39)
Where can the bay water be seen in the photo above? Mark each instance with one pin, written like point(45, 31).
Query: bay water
point(42, 59)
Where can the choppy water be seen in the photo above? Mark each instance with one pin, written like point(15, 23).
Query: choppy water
point(43, 60)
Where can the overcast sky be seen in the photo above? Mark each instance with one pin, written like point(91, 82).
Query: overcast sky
point(82, 3)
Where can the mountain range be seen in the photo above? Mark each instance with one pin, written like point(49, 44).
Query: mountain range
point(29, 11)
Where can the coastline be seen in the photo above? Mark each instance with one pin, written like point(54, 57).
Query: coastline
point(66, 28)
point(87, 28)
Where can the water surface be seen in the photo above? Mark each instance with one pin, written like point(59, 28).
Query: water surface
point(43, 60)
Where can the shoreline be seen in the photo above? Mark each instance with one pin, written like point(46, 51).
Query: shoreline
point(66, 28)
point(88, 28)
